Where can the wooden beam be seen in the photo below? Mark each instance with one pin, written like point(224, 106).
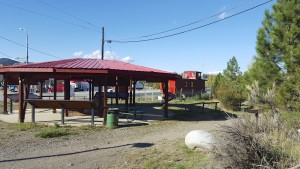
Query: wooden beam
point(81, 71)
point(28, 70)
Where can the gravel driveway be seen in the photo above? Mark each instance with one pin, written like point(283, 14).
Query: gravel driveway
point(105, 148)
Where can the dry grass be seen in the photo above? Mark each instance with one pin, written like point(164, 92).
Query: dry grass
point(258, 144)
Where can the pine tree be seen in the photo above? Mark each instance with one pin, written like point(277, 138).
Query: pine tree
point(278, 50)
point(232, 72)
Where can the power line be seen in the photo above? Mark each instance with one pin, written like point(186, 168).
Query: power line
point(19, 44)
point(192, 23)
point(5, 54)
point(189, 30)
point(73, 16)
point(47, 16)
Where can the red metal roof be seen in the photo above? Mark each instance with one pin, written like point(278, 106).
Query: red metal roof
point(90, 64)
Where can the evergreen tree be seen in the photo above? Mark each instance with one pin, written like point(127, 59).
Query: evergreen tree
point(229, 87)
point(232, 72)
point(278, 51)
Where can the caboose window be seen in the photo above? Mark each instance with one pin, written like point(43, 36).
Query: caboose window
point(186, 84)
point(192, 84)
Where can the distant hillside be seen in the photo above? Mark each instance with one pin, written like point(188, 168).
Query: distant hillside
point(6, 62)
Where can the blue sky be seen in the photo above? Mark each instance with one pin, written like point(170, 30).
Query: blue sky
point(67, 29)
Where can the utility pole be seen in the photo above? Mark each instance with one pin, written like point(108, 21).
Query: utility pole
point(23, 29)
point(102, 43)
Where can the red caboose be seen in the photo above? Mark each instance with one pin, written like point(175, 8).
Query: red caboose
point(190, 84)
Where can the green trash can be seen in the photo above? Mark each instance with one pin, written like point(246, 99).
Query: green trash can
point(112, 120)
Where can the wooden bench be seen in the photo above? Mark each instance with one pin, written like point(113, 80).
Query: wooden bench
point(61, 104)
point(204, 103)
point(186, 106)
point(15, 98)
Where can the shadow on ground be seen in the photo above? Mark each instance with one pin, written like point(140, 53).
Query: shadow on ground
point(193, 112)
point(134, 145)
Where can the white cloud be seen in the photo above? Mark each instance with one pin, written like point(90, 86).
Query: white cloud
point(78, 54)
point(128, 59)
point(108, 55)
point(223, 15)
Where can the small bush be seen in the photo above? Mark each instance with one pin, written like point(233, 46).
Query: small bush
point(257, 144)
point(229, 97)
point(56, 125)
point(205, 96)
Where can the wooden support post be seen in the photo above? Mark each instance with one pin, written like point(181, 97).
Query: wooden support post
point(62, 116)
point(41, 88)
point(117, 90)
point(32, 113)
point(67, 92)
point(202, 107)
point(126, 97)
point(21, 100)
point(166, 93)
point(134, 85)
point(130, 92)
point(93, 117)
point(54, 92)
point(105, 108)
point(5, 96)
point(90, 90)
point(216, 105)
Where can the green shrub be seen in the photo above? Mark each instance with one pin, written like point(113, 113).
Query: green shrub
point(229, 97)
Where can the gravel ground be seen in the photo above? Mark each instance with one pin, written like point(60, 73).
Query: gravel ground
point(105, 148)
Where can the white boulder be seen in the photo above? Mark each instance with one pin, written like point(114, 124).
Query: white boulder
point(198, 139)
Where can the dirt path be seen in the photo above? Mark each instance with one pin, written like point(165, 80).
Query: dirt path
point(95, 149)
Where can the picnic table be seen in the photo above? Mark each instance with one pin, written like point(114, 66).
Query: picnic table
point(60, 104)
point(202, 103)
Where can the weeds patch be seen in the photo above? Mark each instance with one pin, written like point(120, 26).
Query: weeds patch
point(54, 132)
point(29, 126)
point(263, 143)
